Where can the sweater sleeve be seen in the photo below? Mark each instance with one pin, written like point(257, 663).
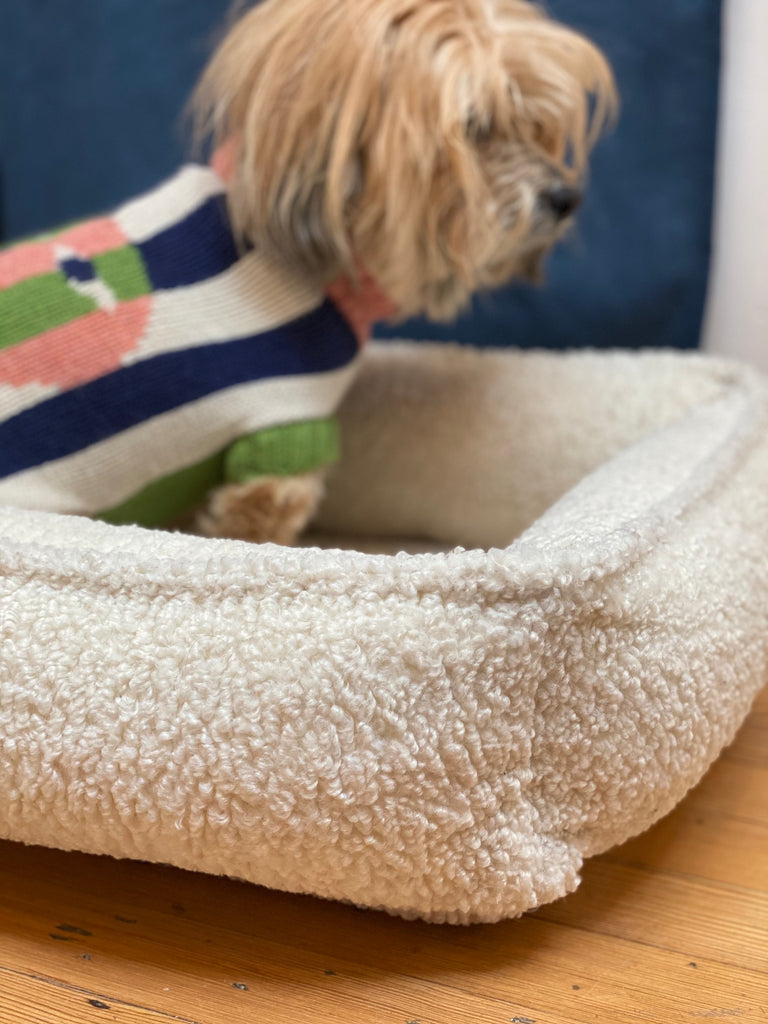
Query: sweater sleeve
point(286, 450)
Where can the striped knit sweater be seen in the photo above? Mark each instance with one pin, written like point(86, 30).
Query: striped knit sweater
point(144, 359)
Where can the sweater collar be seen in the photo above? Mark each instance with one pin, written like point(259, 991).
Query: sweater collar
point(362, 303)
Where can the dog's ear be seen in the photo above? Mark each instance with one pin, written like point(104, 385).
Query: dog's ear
point(281, 93)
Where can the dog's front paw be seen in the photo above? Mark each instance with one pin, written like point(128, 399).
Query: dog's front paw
point(270, 508)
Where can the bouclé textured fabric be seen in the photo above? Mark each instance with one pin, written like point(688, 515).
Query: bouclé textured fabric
point(441, 735)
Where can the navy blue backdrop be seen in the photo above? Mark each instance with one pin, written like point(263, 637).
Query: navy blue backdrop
point(91, 96)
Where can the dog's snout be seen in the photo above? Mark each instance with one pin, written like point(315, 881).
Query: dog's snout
point(562, 200)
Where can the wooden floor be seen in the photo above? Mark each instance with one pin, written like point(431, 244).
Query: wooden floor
point(671, 927)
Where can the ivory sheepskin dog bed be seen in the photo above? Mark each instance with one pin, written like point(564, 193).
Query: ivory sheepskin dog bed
point(444, 735)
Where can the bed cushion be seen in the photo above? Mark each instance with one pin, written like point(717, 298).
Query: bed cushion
point(441, 735)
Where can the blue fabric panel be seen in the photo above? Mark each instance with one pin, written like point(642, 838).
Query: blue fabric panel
point(318, 342)
point(90, 102)
point(92, 98)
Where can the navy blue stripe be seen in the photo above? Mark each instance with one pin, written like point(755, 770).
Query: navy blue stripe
point(192, 250)
point(62, 425)
point(75, 269)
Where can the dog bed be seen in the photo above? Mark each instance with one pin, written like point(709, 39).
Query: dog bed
point(444, 735)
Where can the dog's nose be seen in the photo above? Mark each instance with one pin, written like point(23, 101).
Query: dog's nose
point(562, 200)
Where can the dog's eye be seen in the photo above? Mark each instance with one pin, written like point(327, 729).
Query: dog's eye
point(545, 140)
point(541, 136)
point(478, 130)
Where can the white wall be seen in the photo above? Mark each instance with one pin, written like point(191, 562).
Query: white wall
point(736, 321)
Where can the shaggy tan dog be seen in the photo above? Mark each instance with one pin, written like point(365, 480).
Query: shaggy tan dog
point(435, 147)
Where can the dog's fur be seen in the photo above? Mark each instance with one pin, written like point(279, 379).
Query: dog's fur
point(417, 139)
point(414, 137)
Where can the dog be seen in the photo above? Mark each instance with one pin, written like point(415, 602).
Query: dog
point(372, 159)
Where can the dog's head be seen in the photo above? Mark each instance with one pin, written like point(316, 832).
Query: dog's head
point(440, 144)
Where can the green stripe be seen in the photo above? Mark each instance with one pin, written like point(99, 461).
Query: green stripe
point(277, 451)
point(123, 270)
point(39, 304)
point(168, 498)
point(286, 450)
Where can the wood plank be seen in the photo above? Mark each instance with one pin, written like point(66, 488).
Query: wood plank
point(28, 1000)
point(222, 929)
point(733, 788)
point(699, 842)
point(690, 916)
point(283, 985)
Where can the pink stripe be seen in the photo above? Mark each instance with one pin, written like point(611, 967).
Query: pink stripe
point(79, 351)
point(93, 237)
point(24, 261)
point(32, 258)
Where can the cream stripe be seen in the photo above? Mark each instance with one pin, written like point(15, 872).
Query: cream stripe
point(14, 400)
point(169, 203)
point(106, 474)
point(253, 296)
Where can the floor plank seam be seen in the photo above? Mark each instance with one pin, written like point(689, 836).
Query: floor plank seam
point(651, 945)
point(79, 990)
point(654, 870)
